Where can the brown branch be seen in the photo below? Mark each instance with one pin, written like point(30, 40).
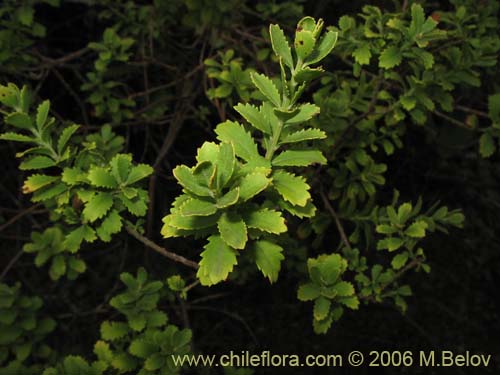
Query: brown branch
point(452, 120)
point(161, 250)
point(19, 216)
point(340, 228)
point(472, 110)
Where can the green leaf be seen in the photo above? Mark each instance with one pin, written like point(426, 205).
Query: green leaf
point(97, 206)
point(386, 229)
point(112, 331)
point(408, 102)
point(233, 230)
point(417, 229)
point(399, 260)
point(390, 57)
point(74, 238)
point(267, 88)
point(306, 112)
point(49, 192)
point(254, 117)
point(65, 137)
point(321, 308)
point(252, 184)
point(351, 302)
point(102, 351)
point(42, 113)
point(120, 166)
point(268, 257)
point(308, 292)
point(244, 145)
point(304, 135)
point(192, 222)
point(77, 265)
point(111, 224)
point(124, 362)
point(344, 289)
point(362, 54)
point(16, 137)
point(322, 326)
point(196, 207)
point(58, 267)
point(37, 181)
point(301, 158)
point(304, 43)
point(390, 243)
point(218, 260)
point(230, 198)
point(280, 45)
point(292, 188)
point(19, 120)
point(154, 362)
point(37, 162)
point(494, 107)
point(266, 220)
point(486, 145)
point(225, 164)
point(25, 15)
point(323, 48)
point(404, 212)
point(142, 348)
point(188, 181)
point(138, 172)
point(101, 177)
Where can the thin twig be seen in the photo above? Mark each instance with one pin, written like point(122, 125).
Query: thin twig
point(340, 228)
point(168, 254)
point(19, 216)
point(472, 110)
point(452, 120)
point(11, 263)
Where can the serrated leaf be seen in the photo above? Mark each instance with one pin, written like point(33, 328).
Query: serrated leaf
point(306, 112)
point(390, 57)
point(233, 230)
point(154, 362)
point(390, 243)
point(494, 107)
point(124, 362)
point(188, 181)
point(267, 88)
point(417, 229)
point(58, 267)
point(16, 137)
point(362, 54)
point(102, 351)
point(292, 188)
point(301, 158)
point(408, 102)
point(321, 308)
point(218, 260)
point(322, 326)
point(308, 292)
point(142, 348)
point(323, 48)
point(19, 120)
point(120, 166)
point(138, 172)
point(244, 145)
point(266, 220)
point(77, 265)
point(196, 207)
point(486, 145)
point(343, 289)
point(74, 238)
point(252, 184)
point(37, 162)
point(65, 137)
point(304, 135)
point(229, 198)
point(351, 302)
point(280, 45)
point(48, 192)
point(192, 222)
point(111, 224)
point(254, 117)
point(399, 260)
point(304, 43)
point(268, 257)
point(101, 177)
point(97, 206)
point(225, 164)
point(37, 181)
point(42, 113)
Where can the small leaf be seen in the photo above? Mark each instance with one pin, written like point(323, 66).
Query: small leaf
point(101, 177)
point(244, 145)
point(301, 158)
point(362, 54)
point(304, 43)
point(306, 112)
point(138, 172)
point(225, 164)
point(37, 181)
point(268, 257)
point(390, 243)
point(266, 220)
point(120, 166)
point(308, 292)
point(343, 289)
point(97, 206)
point(111, 224)
point(229, 198)
point(254, 117)
point(486, 145)
point(321, 308)
point(218, 260)
point(304, 135)
point(399, 260)
point(186, 178)
point(233, 230)
point(267, 88)
point(65, 137)
point(16, 137)
point(112, 331)
point(42, 113)
point(417, 229)
point(292, 188)
point(280, 45)
point(37, 162)
point(324, 47)
point(252, 184)
point(351, 302)
point(390, 57)
point(19, 120)
point(196, 207)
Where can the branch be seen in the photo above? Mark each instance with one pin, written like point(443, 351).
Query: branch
point(330, 209)
point(167, 254)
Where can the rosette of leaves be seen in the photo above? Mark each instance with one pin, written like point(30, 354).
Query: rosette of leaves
point(328, 291)
point(87, 184)
point(236, 193)
point(50, 247)
point(22, 331)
